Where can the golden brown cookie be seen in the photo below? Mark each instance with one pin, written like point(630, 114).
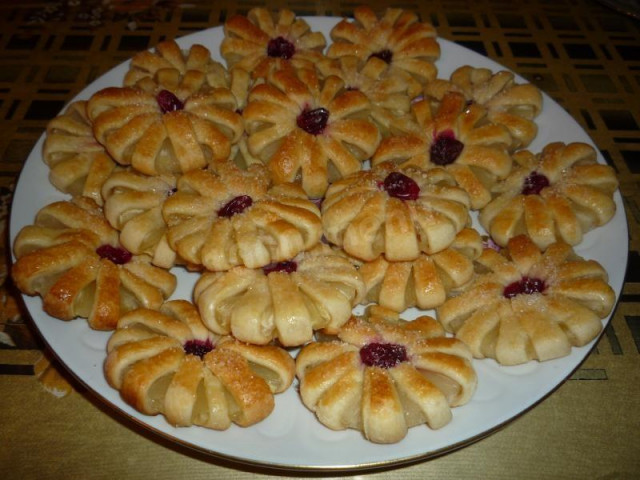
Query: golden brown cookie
point(397, 37)
point(71, 258)
point(395, 212)
point(557, 195)
point(309, 130)
point(528, 304)
point(233, 217)
point(166, 362)
point(285, 301)
point(425, 282)
point(263, 40)
point(383, 375)
point(78, 164)
point(513, 105)
point(163, 134)
point(458, 137)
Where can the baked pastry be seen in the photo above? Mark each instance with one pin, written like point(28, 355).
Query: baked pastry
point(133, 205)
point(70, 257)
point(163, 134)
point(166, 362)
point(184, 72)
point(261, 41)
point(169, 67)
point(383, 375)
point(528, 304)
point(285, 301)
point(514, 105)
point(397, 37)
point(388, 93)
point(78, 164)
point(395, 212)
point(80, 215)
point(230, 218)
point(459, 137)
point(425, 282)
point(307, 130)
point(556, 195)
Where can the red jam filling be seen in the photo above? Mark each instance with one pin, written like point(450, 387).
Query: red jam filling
point(313, 121)
point(400, 186)
point(534, 184)
point(280, 47)
point(117, 255)
point(198, 347)
point(288, 266)
point(235, 205)
point(524, 286)
point(384, 55)
point(168, 102)
point(445, 149)
point(383, 355)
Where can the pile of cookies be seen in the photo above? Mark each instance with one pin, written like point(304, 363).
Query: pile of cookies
point(299, 179)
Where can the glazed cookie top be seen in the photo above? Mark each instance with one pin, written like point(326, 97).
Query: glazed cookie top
point(395, 212)
point(383, 375)
point(508, 103)
point(397, 37)
point(457, 136)
point(308, 129)
point(529, 304)
point(166, 361)
point(559, 194)
point(235, 217)
point(261, 41)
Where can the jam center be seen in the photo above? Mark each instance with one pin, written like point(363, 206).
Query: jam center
point(117, 255)
point(313, 121)
point(446, 148)
point(524, 286)
point(534, 184)
point(383, 355)
point(168, 102)
point(198, 347)
point(400, 186)
point(280, 47)
point(384, 55)
point(235, 205)
point(288, 266)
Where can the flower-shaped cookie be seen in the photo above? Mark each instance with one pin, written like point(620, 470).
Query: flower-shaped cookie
point(166, 362)
point(168, 67)
point(557, 195)
point(425, 282)
point(383, 375)
point(261, 41)
point(309, 130)
point(395, 212)
point(458, 137)
point(508, 103)
point(78, 164)
point(397, 37)
point(163, 134)
point(133, 205)
point(285, 301)
point(229, 218)
point(388, 93)
point(70, 257)
point(528, 304)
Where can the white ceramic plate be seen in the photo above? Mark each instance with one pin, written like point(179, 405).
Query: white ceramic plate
point(291, 437)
